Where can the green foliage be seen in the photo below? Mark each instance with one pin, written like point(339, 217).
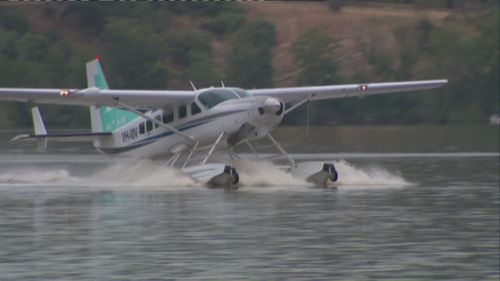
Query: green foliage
point(13, 115)
point(89, 16)
point(463, 51)
point(141, 49)
point(471, 64)
point(187, 44)
point(433, 3)
point(336, 5)
point(31, 46)
point(135, 54)
point(409, 52)
point(63, 117)
point(315, 55)
point(92, 17)
point(379, 57)
point(249, 63)
point(8, 39)
point(424, 30)
point(192, 51)
point(224, 23)
point(202, 8)
point(131, 37)
point(12, 20)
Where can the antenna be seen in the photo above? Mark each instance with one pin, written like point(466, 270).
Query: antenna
point(222, 83)
point(192, 85)
point(308, 120)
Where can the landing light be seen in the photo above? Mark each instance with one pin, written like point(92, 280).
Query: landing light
point(64, 93)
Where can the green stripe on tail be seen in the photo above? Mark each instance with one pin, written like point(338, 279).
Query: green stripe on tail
point(111, 118)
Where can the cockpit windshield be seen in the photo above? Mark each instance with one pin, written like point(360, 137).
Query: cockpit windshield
point(211, 98)
point(240, 92)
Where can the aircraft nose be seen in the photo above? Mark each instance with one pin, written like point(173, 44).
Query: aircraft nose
point(272, 105)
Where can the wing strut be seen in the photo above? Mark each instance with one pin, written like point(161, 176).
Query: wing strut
point(309, 98)
point(212, 148)
point(190, 154)
point(278, 146)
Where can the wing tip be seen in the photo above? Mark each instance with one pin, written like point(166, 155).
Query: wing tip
point(441, 82)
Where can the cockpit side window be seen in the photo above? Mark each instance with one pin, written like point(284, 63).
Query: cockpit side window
point(195, 109)
point(212, 98)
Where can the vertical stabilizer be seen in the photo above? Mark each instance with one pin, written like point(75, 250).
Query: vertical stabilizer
point(95, 78)
point(95, 75)
point(104, 119)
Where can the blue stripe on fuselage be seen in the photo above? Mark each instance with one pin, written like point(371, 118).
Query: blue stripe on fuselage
point(186, 126)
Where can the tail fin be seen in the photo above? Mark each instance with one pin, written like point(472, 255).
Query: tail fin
point(104, 119)
point(95, 76)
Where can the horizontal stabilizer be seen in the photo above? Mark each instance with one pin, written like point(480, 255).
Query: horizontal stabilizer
point(66, 137)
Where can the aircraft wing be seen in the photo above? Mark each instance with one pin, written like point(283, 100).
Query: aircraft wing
point(159, 98)
point(296, 94)
point(97, 97)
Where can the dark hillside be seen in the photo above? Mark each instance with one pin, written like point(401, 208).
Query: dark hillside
point(255, 44)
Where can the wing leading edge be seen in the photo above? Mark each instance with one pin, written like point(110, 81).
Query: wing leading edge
point(295, 94)
point(97, 97)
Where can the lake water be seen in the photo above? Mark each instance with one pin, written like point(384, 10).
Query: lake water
point(413, 203)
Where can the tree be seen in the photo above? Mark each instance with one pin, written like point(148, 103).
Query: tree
point(192, 52)
point(224, 23)
point(250, 60)
point(12, 20)
point(470, 61)
point(315, 55)
point(136, 55)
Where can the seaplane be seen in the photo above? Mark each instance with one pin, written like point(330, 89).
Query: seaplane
point(185, 127)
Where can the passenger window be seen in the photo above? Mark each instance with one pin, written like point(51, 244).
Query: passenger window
point(168, 118)
point(149, 126)
point(142, 129)
point(195, 109)
point(182, 111)
point(157, 117)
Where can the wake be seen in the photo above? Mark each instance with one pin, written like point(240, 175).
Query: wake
point(263, 173)
point(142, 174)
point(146, 174)
point(126, 175)
point(372, 176)
point(34, 176)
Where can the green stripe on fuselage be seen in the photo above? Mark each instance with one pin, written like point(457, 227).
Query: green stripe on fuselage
point(112, 118)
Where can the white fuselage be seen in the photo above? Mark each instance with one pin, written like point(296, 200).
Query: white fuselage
point(143, 138)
